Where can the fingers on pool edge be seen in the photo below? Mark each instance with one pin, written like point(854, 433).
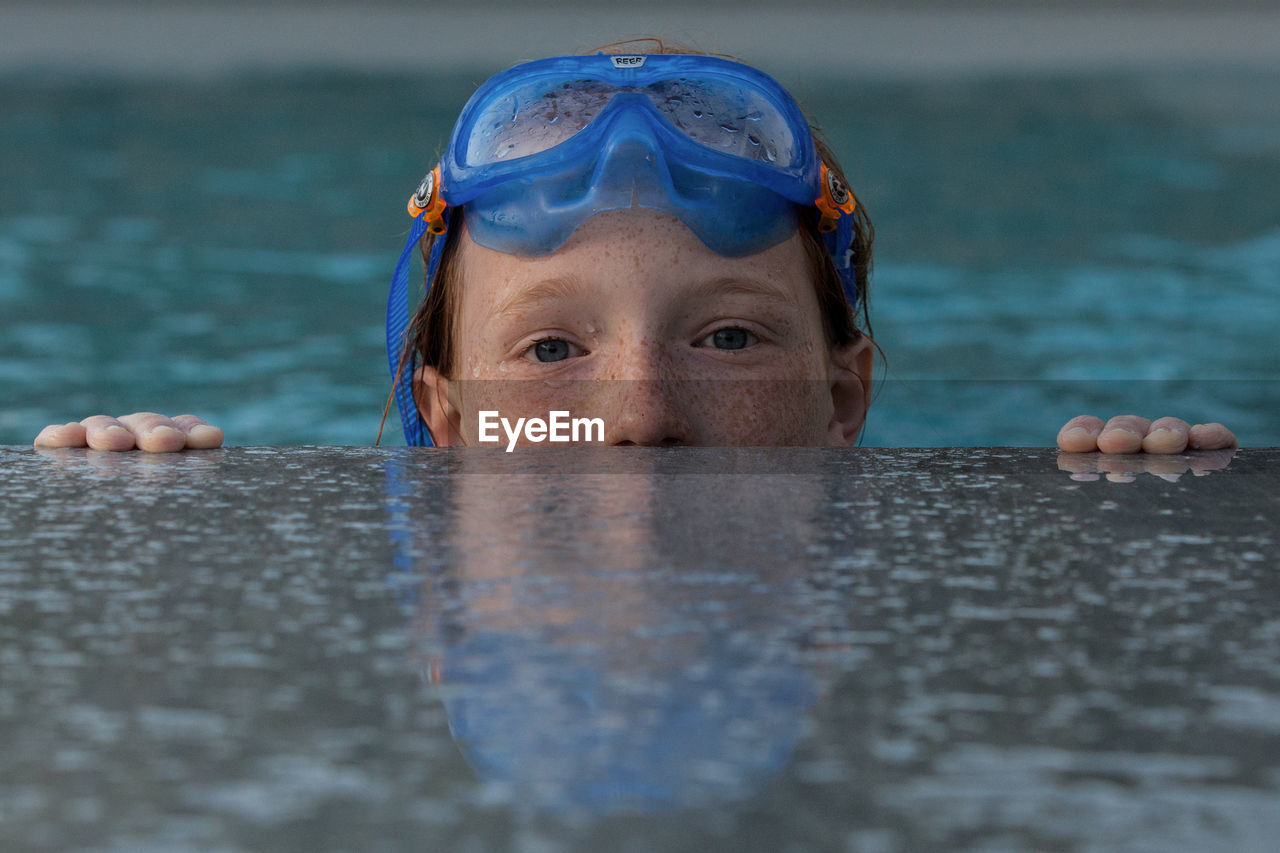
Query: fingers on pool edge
point(146, 431)
point(61, 435)
point(1212, 436)
point(1080, 434)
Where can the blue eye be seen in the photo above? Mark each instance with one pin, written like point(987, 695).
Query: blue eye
point(552, 349)
point(730, 338)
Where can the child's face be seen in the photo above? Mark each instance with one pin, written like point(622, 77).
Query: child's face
point(634, 321)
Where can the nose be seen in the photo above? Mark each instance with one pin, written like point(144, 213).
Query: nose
point(642, 401)
point(646, 413)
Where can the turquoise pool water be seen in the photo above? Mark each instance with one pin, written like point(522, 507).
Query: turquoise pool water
point(1046, 246)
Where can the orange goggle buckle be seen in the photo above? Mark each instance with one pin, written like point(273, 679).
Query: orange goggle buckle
point(834, 201)
point(427, 198)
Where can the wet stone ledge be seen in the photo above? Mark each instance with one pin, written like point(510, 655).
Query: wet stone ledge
point(809, 649)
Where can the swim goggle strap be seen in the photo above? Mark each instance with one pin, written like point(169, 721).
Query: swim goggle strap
point(833, 202)
point(543, 146)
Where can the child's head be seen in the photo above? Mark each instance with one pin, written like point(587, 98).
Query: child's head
point(665, 222)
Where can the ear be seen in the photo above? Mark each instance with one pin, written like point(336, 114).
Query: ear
point(850, 378)
point(438, 410)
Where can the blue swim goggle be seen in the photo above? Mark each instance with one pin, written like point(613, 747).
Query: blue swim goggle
point(542, 147)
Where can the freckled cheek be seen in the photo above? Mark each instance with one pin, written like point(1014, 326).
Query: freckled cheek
point(758, 412)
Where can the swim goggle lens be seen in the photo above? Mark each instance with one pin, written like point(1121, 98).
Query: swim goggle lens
point(536, 117)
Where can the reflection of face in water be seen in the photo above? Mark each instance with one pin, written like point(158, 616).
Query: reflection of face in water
point(623, 640)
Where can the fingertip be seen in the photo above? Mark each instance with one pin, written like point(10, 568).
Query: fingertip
point(1119, 440)
point(162, 439)
point(1077, 439)
point(1211, 436)
point(1164, 440)
point(201, 435)
point(112, 436)
point(61, 435)
point(1080, 434)
point(204, 437)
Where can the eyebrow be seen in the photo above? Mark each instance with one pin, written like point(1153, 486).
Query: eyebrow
point(547, 290)
point(738, 286)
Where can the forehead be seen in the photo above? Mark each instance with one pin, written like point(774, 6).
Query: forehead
point(644, 251)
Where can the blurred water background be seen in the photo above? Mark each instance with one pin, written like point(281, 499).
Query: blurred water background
point(1089, 222)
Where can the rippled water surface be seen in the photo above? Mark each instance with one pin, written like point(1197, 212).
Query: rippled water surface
point(1045, 246)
